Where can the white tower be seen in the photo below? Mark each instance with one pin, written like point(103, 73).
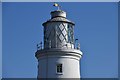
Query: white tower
point(60, 57)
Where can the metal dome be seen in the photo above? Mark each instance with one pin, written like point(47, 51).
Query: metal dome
point(58, 16)
point(59, 19)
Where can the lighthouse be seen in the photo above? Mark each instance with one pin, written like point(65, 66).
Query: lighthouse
point(59, 55)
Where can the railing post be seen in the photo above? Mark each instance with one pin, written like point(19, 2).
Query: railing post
point(38, 47)
point(78, 45)
point(75, 43)
point(41, 45)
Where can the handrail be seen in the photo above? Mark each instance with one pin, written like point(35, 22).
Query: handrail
point(76, 46)
point(39, 46)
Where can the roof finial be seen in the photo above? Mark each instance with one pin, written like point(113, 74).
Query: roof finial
point(57, 5)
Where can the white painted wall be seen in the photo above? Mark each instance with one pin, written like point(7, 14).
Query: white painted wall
point(47, 66)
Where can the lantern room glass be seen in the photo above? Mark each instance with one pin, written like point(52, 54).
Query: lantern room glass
point(70, 33)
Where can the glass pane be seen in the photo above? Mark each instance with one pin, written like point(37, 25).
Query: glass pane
point(59, 68)
point(70, 33)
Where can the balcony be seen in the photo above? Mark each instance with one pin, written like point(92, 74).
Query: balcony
point(76, 45)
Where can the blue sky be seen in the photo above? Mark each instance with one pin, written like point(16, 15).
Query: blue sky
point(0, 40)
point(60, 0)
point(96, 28)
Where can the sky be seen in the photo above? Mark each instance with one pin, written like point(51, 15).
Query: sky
point(60, 0)
point(96, 27)
point(0, 40)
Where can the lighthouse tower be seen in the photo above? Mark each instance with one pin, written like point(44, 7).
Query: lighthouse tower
point(60, 56)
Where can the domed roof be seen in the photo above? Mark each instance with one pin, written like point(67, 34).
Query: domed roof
point(59, 19)
point(58, 16)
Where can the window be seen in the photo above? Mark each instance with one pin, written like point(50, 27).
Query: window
point(70, 33)
point(59, 68)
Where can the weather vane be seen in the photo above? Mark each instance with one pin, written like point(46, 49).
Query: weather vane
point(57, 5)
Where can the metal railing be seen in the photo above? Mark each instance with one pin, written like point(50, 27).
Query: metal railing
point(76, 45)
point(39, 46)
